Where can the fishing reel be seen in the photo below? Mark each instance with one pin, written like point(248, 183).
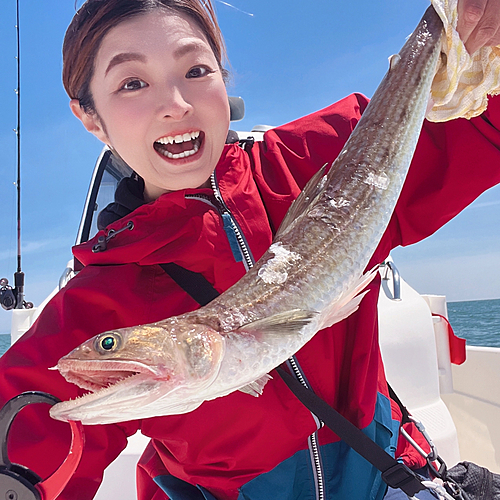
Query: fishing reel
point(13, 297)
point(18, 482)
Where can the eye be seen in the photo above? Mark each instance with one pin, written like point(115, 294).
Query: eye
point(108, 343)
point(199, 72)
point(134, 84)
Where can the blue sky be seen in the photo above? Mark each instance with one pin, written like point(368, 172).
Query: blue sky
point(288, 58)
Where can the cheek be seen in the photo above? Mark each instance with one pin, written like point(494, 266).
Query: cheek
point(125, 124)
point(133, 112)
point(216, 102)
point(219, 116)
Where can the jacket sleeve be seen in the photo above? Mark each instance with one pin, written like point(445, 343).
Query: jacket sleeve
point(36, 440)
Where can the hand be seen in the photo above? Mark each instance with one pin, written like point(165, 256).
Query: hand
point(479, 23)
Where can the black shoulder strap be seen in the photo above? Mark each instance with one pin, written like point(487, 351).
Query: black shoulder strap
point(394, 473)
point(404, 411)
point(194, 284)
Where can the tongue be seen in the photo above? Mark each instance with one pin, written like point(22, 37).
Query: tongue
point(176, 148)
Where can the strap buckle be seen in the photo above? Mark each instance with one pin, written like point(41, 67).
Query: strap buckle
point(399, 476)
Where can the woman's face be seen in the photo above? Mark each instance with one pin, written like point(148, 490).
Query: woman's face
point(160, 101)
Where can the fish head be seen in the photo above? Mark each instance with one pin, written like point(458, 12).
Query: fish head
point(140, 372)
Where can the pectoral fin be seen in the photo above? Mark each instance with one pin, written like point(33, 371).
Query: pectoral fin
point(284, 323)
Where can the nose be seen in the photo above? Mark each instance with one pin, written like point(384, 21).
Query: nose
point(173, 103)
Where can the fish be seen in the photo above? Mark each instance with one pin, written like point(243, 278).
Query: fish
point(312, 276)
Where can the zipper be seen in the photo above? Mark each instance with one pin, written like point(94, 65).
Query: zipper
point(314, 451)
point(237, 241)
point(231, 226)
point(226, 224)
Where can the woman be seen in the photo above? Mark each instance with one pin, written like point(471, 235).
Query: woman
point(146, 78)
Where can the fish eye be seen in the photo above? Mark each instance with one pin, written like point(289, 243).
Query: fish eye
point(108, 342)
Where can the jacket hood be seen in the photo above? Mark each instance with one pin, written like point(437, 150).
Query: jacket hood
point(129, 196)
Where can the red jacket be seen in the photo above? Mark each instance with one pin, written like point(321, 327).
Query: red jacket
point(229, 441)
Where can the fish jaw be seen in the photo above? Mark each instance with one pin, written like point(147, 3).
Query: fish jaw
point(125, 398)
point(94, 375)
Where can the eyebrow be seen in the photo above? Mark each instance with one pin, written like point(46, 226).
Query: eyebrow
point(190, 47)
point(124, 57)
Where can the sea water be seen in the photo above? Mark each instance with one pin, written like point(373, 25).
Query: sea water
point(478, 321)
point(4, 342)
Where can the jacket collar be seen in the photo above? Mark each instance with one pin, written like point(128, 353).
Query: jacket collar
point(165, 229)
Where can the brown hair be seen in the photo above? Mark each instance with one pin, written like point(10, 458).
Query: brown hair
point(96, 17)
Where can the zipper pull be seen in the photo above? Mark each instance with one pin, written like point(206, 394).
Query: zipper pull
point(231, 236)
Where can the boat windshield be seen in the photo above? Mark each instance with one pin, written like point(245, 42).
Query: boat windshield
point(108, 172)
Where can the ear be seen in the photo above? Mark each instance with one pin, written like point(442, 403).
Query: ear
point(90, 121)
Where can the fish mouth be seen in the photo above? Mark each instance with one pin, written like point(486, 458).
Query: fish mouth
point(97, 375)
point(177, 147)
point(114, 385)
point(129, 391)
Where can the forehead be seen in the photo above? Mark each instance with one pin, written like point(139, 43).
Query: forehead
point(154, 32)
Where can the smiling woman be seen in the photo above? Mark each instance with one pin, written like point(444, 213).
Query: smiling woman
point(160, 102)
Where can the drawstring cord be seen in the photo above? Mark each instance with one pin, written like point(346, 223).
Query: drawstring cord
point(102, 241)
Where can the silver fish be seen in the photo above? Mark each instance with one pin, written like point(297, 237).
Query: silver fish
point(311, 277)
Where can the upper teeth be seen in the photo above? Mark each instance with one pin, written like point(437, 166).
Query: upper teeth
point(188, 136)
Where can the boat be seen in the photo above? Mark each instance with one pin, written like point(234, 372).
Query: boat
point(459, 405)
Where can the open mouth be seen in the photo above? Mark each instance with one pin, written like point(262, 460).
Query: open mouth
point(94, 376)
point(179, 146)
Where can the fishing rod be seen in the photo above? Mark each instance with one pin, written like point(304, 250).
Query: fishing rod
point(13, 297)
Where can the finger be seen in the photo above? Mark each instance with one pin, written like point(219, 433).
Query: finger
point(487, 29)
point(494, 41)
point(470, 13)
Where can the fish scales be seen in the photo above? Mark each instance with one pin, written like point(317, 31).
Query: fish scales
point(310, 277)
point(355, 177)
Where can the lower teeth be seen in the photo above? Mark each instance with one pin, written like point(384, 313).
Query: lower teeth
point(184, 154)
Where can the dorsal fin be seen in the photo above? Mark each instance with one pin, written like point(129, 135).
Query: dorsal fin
point(310, 192)
point(393, 61)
